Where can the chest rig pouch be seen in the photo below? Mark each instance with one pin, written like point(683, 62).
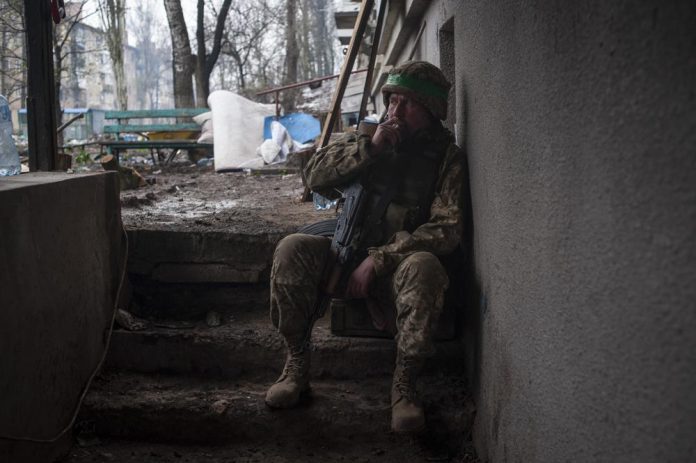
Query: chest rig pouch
point(402, 188)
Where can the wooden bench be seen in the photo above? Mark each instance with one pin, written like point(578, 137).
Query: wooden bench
point(154, 136)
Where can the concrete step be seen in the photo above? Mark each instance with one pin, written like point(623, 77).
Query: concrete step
point(247, 344)
point(388, 449)
point(202, 256)
point(186, 301)
point(178, 409)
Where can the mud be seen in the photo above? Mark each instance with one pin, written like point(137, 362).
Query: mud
point(194, 199)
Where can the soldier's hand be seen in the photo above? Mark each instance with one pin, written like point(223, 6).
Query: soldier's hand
point(388, 133)
point(361, 279)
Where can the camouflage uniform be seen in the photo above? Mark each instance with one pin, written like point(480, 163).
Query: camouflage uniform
point(413, 216)
point(411, 282)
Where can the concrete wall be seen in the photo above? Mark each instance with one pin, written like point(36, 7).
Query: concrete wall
point(579, 123)
point(60, 260)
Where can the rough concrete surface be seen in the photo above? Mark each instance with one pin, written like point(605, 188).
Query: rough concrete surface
point(391, 449)
point(579, 124)
point(60, 263)
point(247, 343)
point(233, 412)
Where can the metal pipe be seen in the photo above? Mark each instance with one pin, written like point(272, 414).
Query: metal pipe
point(302, 84)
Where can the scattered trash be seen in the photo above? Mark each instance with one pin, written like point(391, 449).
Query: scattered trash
point(174, 325)
point(128, 176)
point(130, 322)
point(213, 319)
point(219, 406)
point(205, 120)
point(269, 151)
point(85, 433)
point(206, 162)
point(9, 157)
point(322, 203)
point(302, 127)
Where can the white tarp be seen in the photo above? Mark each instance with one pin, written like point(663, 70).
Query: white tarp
point(205, 120)
point(238, 128)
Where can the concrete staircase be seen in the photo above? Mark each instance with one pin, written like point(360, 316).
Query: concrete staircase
point(190, 386)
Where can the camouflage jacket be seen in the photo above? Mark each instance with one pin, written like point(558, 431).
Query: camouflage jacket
point(416, 219)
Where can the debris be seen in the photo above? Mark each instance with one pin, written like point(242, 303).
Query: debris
point(175, 325)
point(130, 322)
point(205, 162)
point(219, 406)
point(85, 434)
point(213, 319)
point(128, 176)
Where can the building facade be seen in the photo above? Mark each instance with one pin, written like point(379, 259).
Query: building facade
point(579, 130)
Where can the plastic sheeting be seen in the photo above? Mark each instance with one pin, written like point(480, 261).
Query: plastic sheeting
point(238, 127)
point(302, 127)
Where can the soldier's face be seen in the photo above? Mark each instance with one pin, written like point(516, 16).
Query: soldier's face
point(408, 110)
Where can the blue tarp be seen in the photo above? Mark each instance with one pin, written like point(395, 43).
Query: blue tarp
point(302, 127)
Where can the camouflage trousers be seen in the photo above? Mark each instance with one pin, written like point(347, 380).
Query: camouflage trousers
point(412, 296)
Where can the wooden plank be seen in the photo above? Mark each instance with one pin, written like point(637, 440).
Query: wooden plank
point(125, 128)
point(41, 102)
point(356, 39)
point(155, 113)
point(373, 58)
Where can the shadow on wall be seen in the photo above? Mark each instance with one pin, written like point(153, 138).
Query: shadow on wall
point(474, 301)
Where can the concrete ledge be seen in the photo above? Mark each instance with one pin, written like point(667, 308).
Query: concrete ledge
point(61, 255)
point(201, 257)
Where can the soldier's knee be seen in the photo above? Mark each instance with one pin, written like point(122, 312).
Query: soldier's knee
point(299, 243)
point(424, 267)
point(288, 247)
point(298, 257)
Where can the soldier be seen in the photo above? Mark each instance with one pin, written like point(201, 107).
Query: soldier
point(413, 172)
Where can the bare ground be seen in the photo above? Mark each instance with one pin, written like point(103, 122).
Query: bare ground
point(199, 199)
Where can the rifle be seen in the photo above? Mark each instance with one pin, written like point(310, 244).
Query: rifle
point(344, 247)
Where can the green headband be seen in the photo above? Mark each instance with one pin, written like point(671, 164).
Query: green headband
point(417, 85)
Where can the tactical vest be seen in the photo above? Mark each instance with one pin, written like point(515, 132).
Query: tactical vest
point(406, 180)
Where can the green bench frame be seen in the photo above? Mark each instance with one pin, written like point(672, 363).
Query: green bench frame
point(125, 125)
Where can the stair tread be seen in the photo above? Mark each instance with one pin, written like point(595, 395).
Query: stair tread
point(177, 408)
point(247, 343)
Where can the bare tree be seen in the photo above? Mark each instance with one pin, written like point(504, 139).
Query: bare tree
point(182, 60)
point(292, 53)
point(249, 23)
point(152, 56)
point(323, 29)
point(113, 16)
point(205, 62)
point(13, 67)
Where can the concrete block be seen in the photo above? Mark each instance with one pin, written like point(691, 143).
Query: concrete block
point(61, 254)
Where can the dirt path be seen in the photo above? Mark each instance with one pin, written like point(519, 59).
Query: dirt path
point(198, 199)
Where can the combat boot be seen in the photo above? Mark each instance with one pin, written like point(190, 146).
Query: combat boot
point(407, 411)
point(294, 381)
